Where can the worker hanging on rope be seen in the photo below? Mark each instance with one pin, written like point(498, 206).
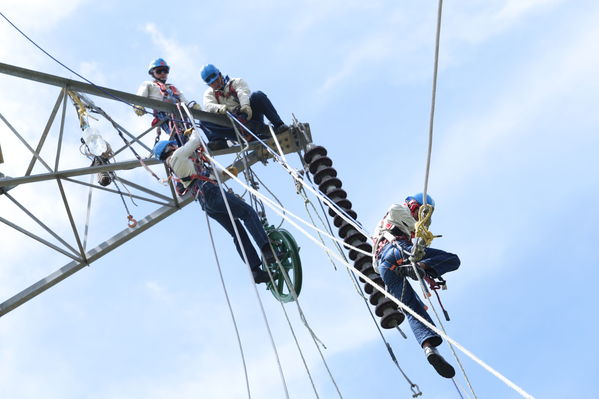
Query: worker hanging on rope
point(158, 89)
point(233, 95)
point(198, 177)
point(393, 248)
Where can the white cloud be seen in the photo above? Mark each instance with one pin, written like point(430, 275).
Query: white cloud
point(475, 24)
point(515, 9)
point(185, 61)
point(372, 50)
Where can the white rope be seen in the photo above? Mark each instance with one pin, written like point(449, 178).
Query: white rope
point(312, 226)
point(316, 340)
point(222, 281)
point(248, 173)
point(245, 258)
point(291, 288)
point(295, 174)
point(354, 280)
point(388, 295)
point(392, 298)
point(427, 171)
point(88, 213)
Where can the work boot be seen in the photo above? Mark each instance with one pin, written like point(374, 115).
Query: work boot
point(438, 362)
point(260, 276)
point(262, 131)
point(216, 145)
point(281, 128)
point(408, 271)
point(269, 256)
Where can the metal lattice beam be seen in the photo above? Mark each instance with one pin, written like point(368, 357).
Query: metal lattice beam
point(291, 141)
point(91, 256)
point(105, 92)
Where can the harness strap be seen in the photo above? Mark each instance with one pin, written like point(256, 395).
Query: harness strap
point(221, 93)
point(168, 91)
point(196, 177)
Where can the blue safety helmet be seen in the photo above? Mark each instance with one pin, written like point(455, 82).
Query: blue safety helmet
point(210, 73)
point(158, 62)
point(420, 199)
point(159, 148)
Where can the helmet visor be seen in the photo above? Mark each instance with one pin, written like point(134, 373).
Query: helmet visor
point(211, 78)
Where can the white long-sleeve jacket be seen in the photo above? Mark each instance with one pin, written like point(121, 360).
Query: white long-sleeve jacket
point(182, 165)
point(236, 93)
point(397, 216)
point(180, 161)
point(151, 90)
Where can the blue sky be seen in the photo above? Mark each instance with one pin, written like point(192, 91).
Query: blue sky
point(513, 173)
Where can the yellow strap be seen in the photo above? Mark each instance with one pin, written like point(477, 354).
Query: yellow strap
point(81, 110)
point(424, 221)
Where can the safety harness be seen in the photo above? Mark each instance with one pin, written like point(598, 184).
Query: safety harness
point(226, 93)
point(390, 233)
point(170, 93)
point(202, 176)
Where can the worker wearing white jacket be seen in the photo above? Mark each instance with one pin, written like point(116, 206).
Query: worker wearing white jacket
point(198, 177)
point(158, 89)
point(392, 244)
point(233, 95)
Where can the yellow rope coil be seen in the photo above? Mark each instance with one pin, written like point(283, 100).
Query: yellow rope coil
point(424, 221)
point(81, 111)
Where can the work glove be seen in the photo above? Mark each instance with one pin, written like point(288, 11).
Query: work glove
point(139, 110)
point(246, 109)
point(222, 109)
point(196, 107)
point(234, 171)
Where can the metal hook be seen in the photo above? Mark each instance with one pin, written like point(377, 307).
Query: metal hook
point(132, 222)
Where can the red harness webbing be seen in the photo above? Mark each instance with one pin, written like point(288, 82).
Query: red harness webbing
point(164, 89)
point(221, 93)
point(199, 164)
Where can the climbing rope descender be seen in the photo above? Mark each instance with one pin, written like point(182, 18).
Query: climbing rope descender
point(287, 251)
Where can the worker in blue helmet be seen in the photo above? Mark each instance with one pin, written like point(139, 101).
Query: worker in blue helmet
point(391, 250)
point(198, 178)
point(233, 95)
point(159, 89)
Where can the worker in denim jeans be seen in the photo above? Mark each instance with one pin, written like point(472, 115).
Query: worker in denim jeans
point(393, 244)
point(198, 177)
point(233, 95)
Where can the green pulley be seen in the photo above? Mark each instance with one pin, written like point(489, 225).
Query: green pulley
point(286, 248)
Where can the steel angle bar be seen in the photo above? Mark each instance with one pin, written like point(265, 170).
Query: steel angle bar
point(126, 165)
point(91, 256)
point(39, 222)
point(172, 186)
point(70, 216)
point(142, 188)
point(119, 127)
point(110, 190)
point(39, 239)
point(136, 139)
point(106, 92)
point(45, 133)
point(24, 142)
point(61, 131)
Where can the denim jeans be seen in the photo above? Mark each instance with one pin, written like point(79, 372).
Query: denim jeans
point(439, 261)
point(261, 107)
point(212, 202)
